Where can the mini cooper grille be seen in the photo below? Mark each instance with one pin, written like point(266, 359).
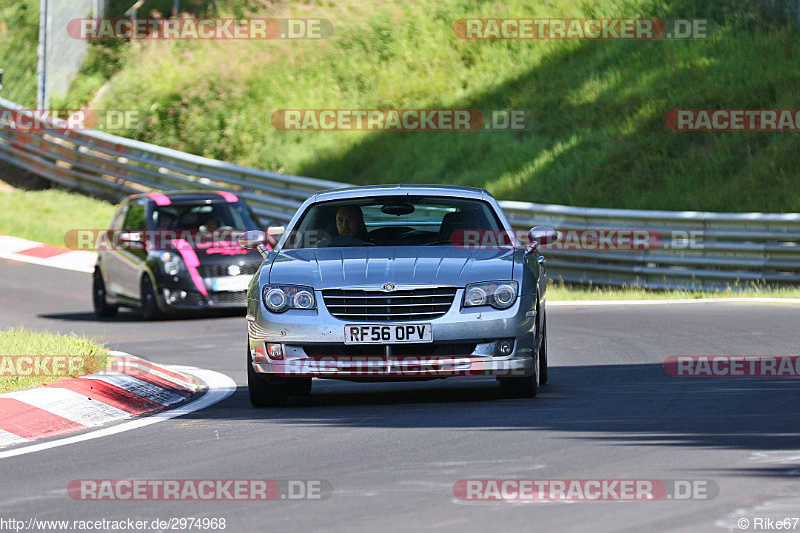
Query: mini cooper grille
point(228, 298)
point(221, 271)
point(402, 304)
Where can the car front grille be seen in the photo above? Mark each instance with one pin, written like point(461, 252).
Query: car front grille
point(221, 271)
point(376, 305)
point(228, 298)
point(430, 349)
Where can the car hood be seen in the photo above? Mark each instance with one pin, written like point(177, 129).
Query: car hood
point(328, 268)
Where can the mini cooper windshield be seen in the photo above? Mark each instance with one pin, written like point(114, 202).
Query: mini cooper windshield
point(390, 221)
point(209, 216)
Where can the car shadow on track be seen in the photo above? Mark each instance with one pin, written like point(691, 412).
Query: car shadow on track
point(631, 404)
point(126, 315)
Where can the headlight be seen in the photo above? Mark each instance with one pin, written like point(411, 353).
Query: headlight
point(171, 263)
point(279, 298)
point(498, 294)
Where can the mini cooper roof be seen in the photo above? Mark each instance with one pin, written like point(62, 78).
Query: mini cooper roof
point(187, 196)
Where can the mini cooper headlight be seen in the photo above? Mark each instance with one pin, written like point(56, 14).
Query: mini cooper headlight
point(171, 263)
point(279, 298)
point(498, 294)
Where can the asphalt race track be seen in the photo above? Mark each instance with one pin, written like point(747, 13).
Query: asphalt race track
point(394, 451)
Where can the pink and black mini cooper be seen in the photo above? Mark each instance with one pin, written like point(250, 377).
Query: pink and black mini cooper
point(175, 251)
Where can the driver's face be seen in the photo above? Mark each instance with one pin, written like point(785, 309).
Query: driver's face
point(349, 222)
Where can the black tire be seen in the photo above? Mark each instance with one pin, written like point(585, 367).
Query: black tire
point(522, 387)
point(150, 309)
point(526, 387)
point(263, 391)
point(543, 354)
point(299, 386)
point(102, 309)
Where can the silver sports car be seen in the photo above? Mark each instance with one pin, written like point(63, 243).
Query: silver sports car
point(396, 283)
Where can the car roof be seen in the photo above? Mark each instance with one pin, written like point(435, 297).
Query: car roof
point(390, 190)
point(183, 196)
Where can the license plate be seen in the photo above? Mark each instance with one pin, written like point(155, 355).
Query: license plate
point(231, 284)
point(387, 333)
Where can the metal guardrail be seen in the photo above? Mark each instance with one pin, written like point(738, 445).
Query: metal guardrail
point(696, 250)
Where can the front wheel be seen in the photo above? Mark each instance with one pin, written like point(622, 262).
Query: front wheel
point(150, 309)
point(523, 387)
point(263, 392)
point(102, 308)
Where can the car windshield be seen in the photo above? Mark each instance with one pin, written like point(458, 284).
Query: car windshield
point(391, 221)
point(203, 216)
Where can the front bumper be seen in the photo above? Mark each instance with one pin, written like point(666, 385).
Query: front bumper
point(478, 330)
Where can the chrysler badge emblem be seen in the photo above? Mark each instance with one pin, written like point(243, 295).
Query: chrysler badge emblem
point(389, 287)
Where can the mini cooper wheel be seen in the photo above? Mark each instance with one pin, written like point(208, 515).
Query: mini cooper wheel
point(102, 308)
point(150, 309)
point(263, 391)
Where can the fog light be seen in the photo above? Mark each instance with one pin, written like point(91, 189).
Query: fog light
point(275, 351)
point(505, 347)
point(174, 296)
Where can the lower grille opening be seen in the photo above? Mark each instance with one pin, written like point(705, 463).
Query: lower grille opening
point(398, 350)
point(239, 298)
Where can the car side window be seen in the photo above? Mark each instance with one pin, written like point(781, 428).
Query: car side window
point(135, 218)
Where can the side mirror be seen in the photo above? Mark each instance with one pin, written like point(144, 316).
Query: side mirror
point(541, 235)
point(252, 239)
point(274, 234)
point(130, 236)
point(131, 240)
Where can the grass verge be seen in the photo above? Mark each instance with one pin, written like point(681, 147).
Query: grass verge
point(46, 216)
point(21, 342)
point(557, 291)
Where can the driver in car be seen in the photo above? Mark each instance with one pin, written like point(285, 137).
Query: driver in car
point(350, 227)
point(350, 222)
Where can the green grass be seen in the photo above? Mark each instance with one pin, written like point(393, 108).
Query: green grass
point(21, 341)
point(598, 140)
point(19, 35)
point(565, 292)
point(46, 216)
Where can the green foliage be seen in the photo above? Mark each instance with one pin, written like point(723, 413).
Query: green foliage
point(598, 137)
point(19, 35)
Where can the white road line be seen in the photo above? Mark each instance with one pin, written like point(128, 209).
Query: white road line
point(220, 387)
point(70, 405)
point(590, 303)
point(67, 261)
point(77, 260)
point(140, 388)
point(7, 438)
